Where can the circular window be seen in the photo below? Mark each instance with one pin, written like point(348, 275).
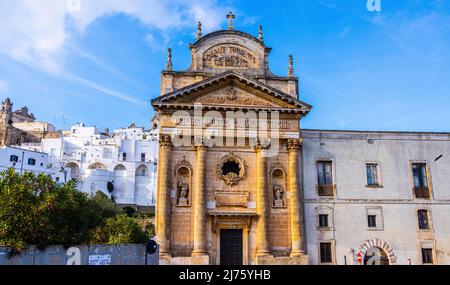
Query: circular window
point(231, 169)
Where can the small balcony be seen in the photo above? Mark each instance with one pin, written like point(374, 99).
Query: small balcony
point(326, 190)
point(421, 192)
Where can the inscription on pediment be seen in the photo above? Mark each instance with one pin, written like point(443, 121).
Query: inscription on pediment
point(229, 55)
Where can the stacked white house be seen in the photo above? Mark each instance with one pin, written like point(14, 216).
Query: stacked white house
point(122, 164)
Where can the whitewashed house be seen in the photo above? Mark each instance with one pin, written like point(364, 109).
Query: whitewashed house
point(125, 159)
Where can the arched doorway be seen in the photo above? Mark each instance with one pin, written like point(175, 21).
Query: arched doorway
point(74, 170)
point(376, 256)
point(377, 252)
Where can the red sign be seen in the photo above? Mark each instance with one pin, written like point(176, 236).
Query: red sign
point(359, 255)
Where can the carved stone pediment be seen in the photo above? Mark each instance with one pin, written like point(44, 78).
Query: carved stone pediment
point(230, 90)
point(236, 96)
point(231, 199)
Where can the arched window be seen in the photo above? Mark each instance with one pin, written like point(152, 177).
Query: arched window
point(119, 167)
point(142, 171)
point(98, 165)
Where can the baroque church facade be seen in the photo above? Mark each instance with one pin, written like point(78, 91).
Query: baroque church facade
point(240, 182)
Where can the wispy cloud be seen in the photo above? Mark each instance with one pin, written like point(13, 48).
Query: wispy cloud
point(37, 33)
point(103, 89)
point(158, 42)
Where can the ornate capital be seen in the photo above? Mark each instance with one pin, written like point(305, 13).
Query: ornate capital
point(165, 141)
point(262, 144)
point(294, 144)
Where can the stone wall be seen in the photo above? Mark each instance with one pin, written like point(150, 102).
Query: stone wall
point(126, 254)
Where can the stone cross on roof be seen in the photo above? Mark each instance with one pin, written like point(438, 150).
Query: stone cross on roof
point(230, 17)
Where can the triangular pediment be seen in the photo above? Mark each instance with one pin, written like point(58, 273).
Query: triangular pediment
point(231, 90)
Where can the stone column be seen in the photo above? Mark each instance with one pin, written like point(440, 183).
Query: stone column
point(163, 202)
point(200, 204)
point(296, 204)
point(262, 206)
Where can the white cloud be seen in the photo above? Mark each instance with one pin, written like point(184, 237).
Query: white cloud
point(159, 43)
point(36, 32)
point(4, 86)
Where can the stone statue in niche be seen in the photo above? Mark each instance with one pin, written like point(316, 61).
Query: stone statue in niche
point(278, 196)
point(183, 199)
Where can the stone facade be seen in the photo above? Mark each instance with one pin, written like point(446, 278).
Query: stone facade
point(307, 196)
point(393, 199)
point(207, 188)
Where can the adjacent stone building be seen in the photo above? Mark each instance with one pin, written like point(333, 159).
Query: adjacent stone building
point(240, 182)
point(20, 127)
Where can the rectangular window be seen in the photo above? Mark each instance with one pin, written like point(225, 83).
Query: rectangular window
point(124, 156)
point(53, 152)
point(372, 174)
point(372, 221)
point(423, 219)
point(142, 157)
point(427, 255)
point(323, 221)
point(324, 172)
point(421, 190)
point(107, 153)
point(325, 252)
point(31, 161)
point(14, 158)
point(325, 178)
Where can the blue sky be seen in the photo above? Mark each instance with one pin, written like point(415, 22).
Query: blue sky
point(101, 65)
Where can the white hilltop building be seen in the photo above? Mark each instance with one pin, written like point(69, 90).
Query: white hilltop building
point(126, 159)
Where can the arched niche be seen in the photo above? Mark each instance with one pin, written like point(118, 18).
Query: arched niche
point(278, 187)
point(183, 183)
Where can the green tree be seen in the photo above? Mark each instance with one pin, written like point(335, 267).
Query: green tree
point(35, 210)
point(120, 229)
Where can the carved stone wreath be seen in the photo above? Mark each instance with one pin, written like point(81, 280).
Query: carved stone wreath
point(231, 178)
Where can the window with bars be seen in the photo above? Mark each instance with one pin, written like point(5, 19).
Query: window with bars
point(420, 178)
point(423, 217)
point(372, 174)
point(325, 252)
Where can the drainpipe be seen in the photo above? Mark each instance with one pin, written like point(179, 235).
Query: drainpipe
point(21, 166)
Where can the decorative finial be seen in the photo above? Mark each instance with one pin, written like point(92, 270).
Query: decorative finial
point(260, 34)
point(291, 66)
point(230, 17)
point(169, 60)
point(199, 30)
